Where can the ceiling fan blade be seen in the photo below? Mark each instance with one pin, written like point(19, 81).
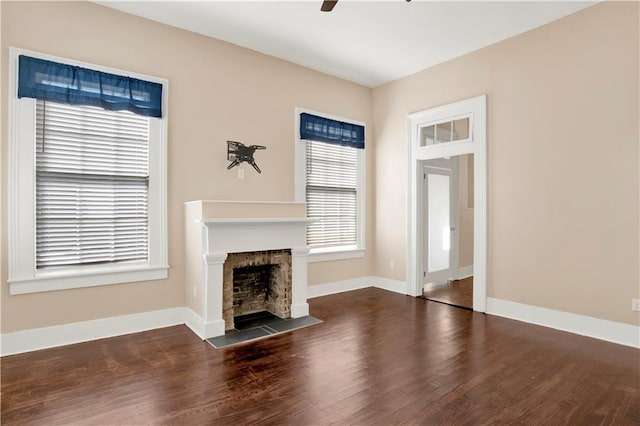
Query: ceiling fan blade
point(328, 5)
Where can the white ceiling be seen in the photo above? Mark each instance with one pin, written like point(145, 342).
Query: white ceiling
point(368, 42)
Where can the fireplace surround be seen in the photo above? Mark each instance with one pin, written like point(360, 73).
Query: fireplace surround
point(215, 231)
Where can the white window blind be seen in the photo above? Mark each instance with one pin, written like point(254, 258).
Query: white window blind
point(92, 182)
point(331, 187)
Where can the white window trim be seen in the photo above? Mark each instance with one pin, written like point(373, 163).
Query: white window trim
point(300, 152)
point(23, 275)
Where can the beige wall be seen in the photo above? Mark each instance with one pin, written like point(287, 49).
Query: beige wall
point(465, 212)
point(217, 92)
point(562, 160)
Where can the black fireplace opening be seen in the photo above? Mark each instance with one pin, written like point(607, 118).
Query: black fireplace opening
point(257, 282)
point(253, 289)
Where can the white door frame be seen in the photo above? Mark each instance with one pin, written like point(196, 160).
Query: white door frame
point(475, 109)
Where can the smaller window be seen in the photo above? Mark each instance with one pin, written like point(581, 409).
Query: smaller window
point(332, 195)
point(330, 179)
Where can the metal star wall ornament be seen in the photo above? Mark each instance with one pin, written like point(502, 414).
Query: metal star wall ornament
point(238, 152)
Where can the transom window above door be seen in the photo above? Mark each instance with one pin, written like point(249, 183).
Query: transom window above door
point(445, 131)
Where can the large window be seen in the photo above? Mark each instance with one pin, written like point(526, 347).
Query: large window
point(87, 176)
point(330, 179)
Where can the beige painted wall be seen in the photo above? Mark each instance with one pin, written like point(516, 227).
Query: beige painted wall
point(465, 213)
point(562, 160)
point(217, 92)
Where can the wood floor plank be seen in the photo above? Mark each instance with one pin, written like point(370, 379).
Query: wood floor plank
point(379, 358)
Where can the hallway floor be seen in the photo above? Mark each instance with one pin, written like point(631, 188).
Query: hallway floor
point(456, 293)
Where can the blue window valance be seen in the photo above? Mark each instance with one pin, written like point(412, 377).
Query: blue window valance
point(313, 127)
point(69, 84)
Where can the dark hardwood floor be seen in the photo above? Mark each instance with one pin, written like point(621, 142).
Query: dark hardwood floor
point(379, 358)
point(456, 293)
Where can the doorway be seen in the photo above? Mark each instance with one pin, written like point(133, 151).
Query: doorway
point(448, 197)
point(444, 132)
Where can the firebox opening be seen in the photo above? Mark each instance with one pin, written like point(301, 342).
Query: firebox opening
point(253, 289)
point(257, 281)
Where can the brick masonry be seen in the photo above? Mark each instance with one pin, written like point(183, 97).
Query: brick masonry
point(256, 281)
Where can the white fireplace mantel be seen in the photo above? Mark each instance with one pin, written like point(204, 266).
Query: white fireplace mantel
point(215, 228)
point(254, 234)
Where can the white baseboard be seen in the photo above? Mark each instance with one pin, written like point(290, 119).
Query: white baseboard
point(67, 334)
point(611, 331)
point(465, 272)
point(355, 284)
point(391, 285)
point(194, 322)
point(339, 287)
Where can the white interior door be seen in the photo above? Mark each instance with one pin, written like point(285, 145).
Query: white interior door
point(440, 186)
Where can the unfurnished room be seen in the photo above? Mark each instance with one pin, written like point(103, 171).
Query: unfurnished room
point(320, 212)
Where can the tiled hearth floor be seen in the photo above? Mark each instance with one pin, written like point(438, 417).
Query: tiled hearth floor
point(259, 325)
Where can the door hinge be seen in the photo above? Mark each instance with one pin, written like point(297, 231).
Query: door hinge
point(424, 274)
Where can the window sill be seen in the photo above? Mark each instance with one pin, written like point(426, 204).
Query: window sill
point(325, 255)
point(58, 280)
